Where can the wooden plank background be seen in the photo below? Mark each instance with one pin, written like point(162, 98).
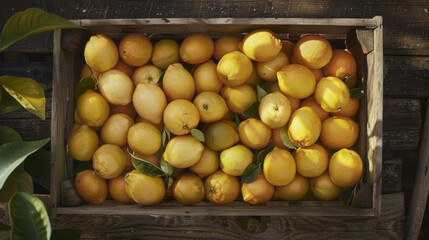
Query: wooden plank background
point(406, 66)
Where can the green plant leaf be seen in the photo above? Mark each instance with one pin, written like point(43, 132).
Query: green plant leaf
point(252, 111)
point(83, 85)
point(165, 166)
point(169, 182)
point(356, 93)
point(261, 155)
point(8, 103)
point(166, 136)
point(261, 90)
point(14, 153)
point(27, 92)
point(146, 167)
point(285, 138)
point(8, 134)
point(4, 231)
point(29, 22)
point(196, 133)
point(38, 165)
point(28, 216)
point(15, 179)
point(250, 173)
point(66, 234)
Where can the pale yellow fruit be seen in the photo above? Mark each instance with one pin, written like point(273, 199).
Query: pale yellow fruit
point(211, 106)
point(254, 133)
point(178, 83)
point(135, 49)
point(234, 68)
point(313, 104)
point(224, 45)
point(345, 168)
point(116, 87)
point(279, 167)
point(339, 132)
point(221, 188)
point(149, 102)
point(259, 191)
point(311, 161)
point(165, 52)
point(323, 188)
point(82, 143)
point(144, 189)
point(115, 129)
point(180, 116)
point(109, 161)
point(91, 187)
point(234, 160)
point(296, 81)
point(144, 138)
point(304, 127)
point(207, 164)
point(275, 110)
point(350, 110)
point(183, 151)
point(295, 190)
point(196, 48)
point(332, 94)
point(101, 53)
point(313, 51)
point(221, 135)
point(92, 108)
point(188, 189)
point(117, 190)
point(146, 74)
point(268, 70)
point(239, 98)
point(205, 76)
point(261, 45)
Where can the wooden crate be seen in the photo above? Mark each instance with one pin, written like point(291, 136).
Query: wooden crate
point(362, 36)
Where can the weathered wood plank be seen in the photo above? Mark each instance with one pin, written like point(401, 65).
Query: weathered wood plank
point(404, 22)
point(406, 76)
point(387, 226)
point(420, 193)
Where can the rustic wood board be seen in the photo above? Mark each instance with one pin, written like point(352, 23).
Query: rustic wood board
point(388, 226)
point(405, 22)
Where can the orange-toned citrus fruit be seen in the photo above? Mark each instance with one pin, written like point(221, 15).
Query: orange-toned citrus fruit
point(144, 138)
point(165, 52)
point(178, 83)
point(339, 132)
point(115, 129)
point(207, 164)
point(205, 77)
point(188, 189)
point(196, 48)
point(224, 45)
point(91, 187)
point(117, 190)
point(259, 191)
point(180, 116)
point(323, 188)
point(341, 65)
point(295, 190)
point(221, 188)
point(254, 133)
point(135, 49)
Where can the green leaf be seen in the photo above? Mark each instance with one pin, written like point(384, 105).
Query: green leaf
point(285, 138)
point(15, 179)
point(194, 68)
point(38, 165)
point(83, 85)
point(8, 134)
point(27, 92)
point(4, 231)
point(261, 90)
point(261, 155)
point(166, 136)
point(165, 166)
point(14, 153)
point(356, 93)
point(348, 79)
point(29, 217)
point(8, 103)
point(170, 182)
point(237, 119)
point(29, 22)
point(146, 167)
point(250, 173)
point(196, 133)
point(252, 111)
point(66, 234)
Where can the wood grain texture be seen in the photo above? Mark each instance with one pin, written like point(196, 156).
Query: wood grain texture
point(388, 226)
point(420, 193)
point(405, 22)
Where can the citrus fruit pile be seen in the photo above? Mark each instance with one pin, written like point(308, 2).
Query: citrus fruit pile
point(242, 117)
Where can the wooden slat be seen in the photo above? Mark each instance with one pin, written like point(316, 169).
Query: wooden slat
point(388, 226)
point(405, 22)
point(421, 189)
